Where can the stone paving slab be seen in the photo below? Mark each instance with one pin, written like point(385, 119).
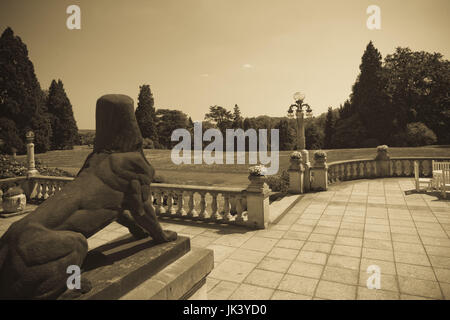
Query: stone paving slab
point(321, 248)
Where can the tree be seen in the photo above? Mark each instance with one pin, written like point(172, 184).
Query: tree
point(418, 84)
point(21, 97)
point(368, 97)
point(287, 135)
point(168, 121)
point(146, 114)
point(220, 116)
point(64, 126)
point(329, 129)
point(313, 135)
point(237, 118)
point(9, 136)
point(418, 134)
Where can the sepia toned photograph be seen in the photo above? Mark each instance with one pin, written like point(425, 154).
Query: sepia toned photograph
point(224, 153)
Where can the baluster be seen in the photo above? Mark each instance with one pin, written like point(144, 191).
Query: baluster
point(239, 209)
point(160, 202)
point(44, 189)
point(203, 212)
point(341, 172)
point(192, 212)
point(226, 207)
point(170, 207)
point(214, 207)
point(39, 193)
point(361, 170)
point(406, 166)
point(368, 168)
point(398, 168)
point(233, 205)
point(391, 167)
point(180, 211)
point(374, 168)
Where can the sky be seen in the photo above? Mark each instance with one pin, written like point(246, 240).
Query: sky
point(198, 53)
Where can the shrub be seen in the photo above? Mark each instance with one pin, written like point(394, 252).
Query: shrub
point(10, 168)
point(279, 182)
point(148, 144)
point(418, 134)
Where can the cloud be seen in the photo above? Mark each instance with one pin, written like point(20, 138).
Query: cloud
point(247, 66)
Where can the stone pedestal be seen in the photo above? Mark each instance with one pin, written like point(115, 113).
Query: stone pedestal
point(296, 176)
point(30, 159)
point(258, 202)
point(319, 172)
point(139, 269)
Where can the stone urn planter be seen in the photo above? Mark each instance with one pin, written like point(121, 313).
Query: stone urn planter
point(295, 160)
point(320, 157)
point(257, 178)
point(14, 200)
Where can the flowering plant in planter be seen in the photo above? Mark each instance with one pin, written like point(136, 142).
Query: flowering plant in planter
point(257, 171)
point(320, 155)
point(296, 155)
point(382, 148)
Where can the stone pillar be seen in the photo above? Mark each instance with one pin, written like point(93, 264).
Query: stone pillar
point(258, 202)
point(307, 173)
point(30, 155)
point(296, 173)
point(383, 161)
point(301, 144)
point(319, 172)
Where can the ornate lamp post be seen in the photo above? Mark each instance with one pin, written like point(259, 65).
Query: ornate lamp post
point(299, 107)
point(30, 154)
point(299, 115)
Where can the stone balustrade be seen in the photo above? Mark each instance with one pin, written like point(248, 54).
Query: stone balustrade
point(216, 204)
point(351, 170)
point(211, 204)
point(370, 168)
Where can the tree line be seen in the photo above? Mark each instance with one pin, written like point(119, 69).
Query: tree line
point(24, 106)
point(401, 101)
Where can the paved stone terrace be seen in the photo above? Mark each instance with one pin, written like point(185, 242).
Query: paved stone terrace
point(322, 247)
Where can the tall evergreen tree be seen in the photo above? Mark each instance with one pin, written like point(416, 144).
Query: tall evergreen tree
point(21, 97)
point(64, 126)
point(329, 129)
point(369, 99)
point(238, 121)
point(146, 114)
point(286, 135)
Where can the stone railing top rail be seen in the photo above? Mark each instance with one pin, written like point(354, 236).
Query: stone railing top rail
point(391, 158)
point(198, 188)
point(39, 177)
point(13, 179)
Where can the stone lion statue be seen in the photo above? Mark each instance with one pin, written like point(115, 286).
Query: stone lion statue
point(113, 185)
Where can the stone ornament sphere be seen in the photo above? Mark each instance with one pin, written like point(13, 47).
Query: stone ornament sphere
point(14, 203)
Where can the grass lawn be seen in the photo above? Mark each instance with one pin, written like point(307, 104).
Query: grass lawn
point(225, 174)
